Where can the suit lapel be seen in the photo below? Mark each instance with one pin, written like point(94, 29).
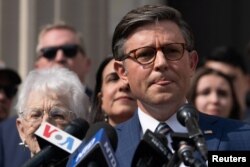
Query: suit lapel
point(211, 131)
point(130, 133)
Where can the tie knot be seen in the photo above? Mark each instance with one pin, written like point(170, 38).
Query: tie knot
point(163, 128)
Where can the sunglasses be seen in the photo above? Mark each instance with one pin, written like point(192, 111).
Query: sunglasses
point(69, 51)
point(9, 91)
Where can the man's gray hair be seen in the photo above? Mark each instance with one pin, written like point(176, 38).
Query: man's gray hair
point(60, 26)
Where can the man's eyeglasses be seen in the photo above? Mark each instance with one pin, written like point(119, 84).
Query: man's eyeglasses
point(59, 115)
point(146, 55)
point(9, 90)
point(69, 51)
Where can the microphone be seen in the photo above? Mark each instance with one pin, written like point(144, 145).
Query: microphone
point(66, 142)
point(152, 151)
point(74, 129)
point(187, 115)
point(97, 149)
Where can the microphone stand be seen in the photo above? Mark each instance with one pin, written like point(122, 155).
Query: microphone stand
point(184, 148)
point(174, 161)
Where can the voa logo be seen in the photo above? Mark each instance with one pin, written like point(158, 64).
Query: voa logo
point(58, 137)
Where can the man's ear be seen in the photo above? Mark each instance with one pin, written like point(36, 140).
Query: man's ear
point(121, 70)
point(194, 58)
point(88, 63)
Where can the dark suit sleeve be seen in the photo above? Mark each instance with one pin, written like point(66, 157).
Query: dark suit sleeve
point(1, 147)
point(11, 153)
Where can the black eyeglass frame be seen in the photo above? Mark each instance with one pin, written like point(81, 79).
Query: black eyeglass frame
point(128, 55)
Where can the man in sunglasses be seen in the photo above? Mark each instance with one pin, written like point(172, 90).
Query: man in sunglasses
point(9, 81)
point(61, 45)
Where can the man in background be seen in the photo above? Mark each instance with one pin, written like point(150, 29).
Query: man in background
point(9, 82)
point(61, 45)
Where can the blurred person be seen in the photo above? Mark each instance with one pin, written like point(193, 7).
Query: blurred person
point(212, 92)
point(229, 61)
point(42, 62)
point(62, 45)
point(247, 54)
point(112, 99)
point(53, 95)
point(9, 82)
point(154, 51)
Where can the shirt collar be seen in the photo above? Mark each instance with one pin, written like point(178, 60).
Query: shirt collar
point(148, 122)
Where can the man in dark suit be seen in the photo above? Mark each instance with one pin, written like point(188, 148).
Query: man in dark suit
point(154, 49)
point(9, 82)
point(11, 154)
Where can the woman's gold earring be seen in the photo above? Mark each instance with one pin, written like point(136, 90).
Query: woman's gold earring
point(106, 117)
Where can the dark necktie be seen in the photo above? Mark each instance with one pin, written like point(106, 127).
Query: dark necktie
point(163, 129)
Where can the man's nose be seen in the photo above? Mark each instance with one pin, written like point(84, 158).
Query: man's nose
point(60, 56)
point(2, 94)
point(160, 63)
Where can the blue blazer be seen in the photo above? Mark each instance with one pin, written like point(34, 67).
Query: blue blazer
point(224, 134)
point(11, 153)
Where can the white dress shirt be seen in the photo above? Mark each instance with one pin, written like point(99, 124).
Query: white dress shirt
point(148, 122)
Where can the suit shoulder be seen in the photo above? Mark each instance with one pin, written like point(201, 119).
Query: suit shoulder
point(224, 123)
point(123, 126)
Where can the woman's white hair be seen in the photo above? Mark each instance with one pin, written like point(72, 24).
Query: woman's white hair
point(57, 80)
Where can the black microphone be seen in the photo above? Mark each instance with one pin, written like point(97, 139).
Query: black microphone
point(109, 130)
point(51, 154)
point(152, 151)
point(187, 115)
point(97, 149)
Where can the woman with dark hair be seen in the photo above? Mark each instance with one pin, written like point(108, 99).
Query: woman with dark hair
point(212, 92)
point(112, 99)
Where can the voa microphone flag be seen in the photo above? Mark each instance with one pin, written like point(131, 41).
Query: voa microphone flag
point(58, 137)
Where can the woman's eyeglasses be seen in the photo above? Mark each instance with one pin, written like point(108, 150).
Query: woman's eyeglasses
point(58, 115)
point(70, 51)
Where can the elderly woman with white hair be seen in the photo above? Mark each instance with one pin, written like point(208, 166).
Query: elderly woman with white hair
point(54, 95)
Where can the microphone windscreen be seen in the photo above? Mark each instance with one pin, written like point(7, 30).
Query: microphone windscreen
point(152, 151)
point(109, 130)
point(78, 128)
point(186, 111)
